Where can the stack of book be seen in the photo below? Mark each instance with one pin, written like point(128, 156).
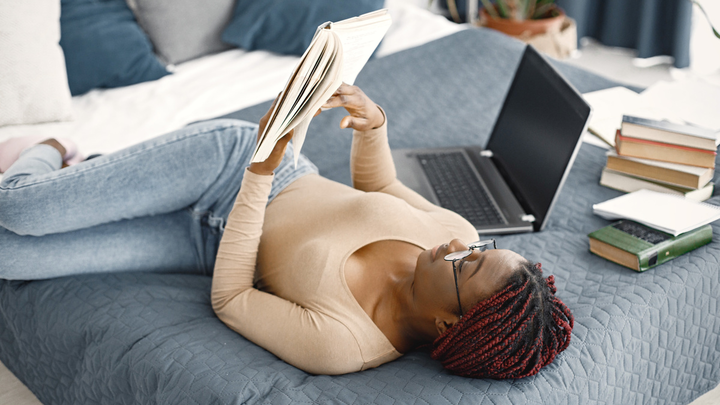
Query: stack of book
point(653, 228)
point(662, 156)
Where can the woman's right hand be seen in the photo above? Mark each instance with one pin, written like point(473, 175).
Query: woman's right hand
point(267, 167)
point(364, 113)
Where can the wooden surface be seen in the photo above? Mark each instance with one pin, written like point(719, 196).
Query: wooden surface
point(12, 391)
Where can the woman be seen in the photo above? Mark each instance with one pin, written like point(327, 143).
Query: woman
point(331, 279)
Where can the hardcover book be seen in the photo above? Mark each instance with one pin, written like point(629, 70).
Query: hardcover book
point(639, 247)
point(642, 148)
point(663, 172)
point(668, 132)
point(627, 183)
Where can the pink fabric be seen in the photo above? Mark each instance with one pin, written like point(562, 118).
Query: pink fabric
point(11, 149)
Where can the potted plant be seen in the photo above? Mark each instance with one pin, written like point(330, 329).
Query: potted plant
point(538, 22)
point(513, 17)
point(522, 17)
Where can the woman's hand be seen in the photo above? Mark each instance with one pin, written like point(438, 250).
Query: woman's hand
point(364, 113)
point(267, 167)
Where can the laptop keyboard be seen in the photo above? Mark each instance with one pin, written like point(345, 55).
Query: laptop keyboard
point(457, 187)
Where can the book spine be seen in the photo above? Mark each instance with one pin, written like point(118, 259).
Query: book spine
point(675, 247)
point(628, 183)
point(626, 146)
point(659, 174)
point(665, 145)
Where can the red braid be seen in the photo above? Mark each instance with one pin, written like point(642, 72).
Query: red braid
point(512, 334)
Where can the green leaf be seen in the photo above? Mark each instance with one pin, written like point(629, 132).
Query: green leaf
point(706, 17)
point(490, 8)
point(503, 9)
point(529, 9)
point(542, 10)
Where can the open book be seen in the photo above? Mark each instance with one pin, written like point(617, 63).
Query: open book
point(337, 53)
point(669, 213)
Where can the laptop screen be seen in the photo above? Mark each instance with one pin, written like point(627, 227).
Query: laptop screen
point(536, 135)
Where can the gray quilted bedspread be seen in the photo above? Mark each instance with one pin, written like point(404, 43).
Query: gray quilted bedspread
point(138, 338)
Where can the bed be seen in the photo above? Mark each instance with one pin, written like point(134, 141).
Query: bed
point(149, 338)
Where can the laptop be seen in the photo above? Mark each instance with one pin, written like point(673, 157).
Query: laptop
point(513, 183)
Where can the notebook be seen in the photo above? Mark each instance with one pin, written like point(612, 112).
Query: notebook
point(512, 184)
point(665, 212)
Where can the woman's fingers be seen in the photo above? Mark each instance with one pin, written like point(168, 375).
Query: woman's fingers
point(346, 96)
point(354, 122)
point(344, 100)
point(364, 114)
point(269, 165)
point(346, 122)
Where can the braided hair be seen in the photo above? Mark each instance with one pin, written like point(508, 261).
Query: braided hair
point(512, 334)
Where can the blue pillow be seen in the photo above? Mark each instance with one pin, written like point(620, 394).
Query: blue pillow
point(104, 46)
point(287, 26)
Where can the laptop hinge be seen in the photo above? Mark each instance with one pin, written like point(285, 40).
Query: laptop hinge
point(528, 218)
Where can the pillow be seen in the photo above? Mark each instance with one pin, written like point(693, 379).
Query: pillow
point(287, 26)
point(182, 30)
point(33, 84)
point(104, 46)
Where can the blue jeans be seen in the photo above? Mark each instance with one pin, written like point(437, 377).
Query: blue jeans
point(159, 206)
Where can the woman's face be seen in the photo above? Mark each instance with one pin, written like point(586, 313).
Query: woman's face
point(480, 275)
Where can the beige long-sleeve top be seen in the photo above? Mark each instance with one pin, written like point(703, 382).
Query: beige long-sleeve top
point(279, 275)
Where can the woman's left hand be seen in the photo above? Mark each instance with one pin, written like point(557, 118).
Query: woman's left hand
point(364, 113)
point(267, 167)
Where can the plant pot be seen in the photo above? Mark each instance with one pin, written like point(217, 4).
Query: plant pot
point(518, 28)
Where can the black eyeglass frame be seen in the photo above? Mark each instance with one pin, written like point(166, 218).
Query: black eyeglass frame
point(457, 256)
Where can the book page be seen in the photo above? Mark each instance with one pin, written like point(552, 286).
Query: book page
point(337, 53)
point(360, 36)
point(695, 101)
point(311, 84)
point(329, 83)
point(666, 212)
point(278, 125)
point(312, 49)
point(609, 106)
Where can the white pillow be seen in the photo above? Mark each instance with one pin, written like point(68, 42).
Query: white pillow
point(33, 81)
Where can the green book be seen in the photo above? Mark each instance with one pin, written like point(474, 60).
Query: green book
point(640, 247)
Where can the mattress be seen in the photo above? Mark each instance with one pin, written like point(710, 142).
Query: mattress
point(143, 338)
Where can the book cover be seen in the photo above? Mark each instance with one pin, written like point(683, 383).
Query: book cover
point(627, 183)
point(673, 174)
point(704, 135)
point(641, 148)
point(639, 247)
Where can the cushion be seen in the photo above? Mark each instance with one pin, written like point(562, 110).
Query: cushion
point(182, 30)
point(287, 26)
point(33, 84)
point(104, 46)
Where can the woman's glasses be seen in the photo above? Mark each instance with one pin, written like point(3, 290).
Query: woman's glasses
point(453, 257)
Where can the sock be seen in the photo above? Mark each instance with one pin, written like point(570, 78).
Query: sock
point(11, 149)
point(72, 155)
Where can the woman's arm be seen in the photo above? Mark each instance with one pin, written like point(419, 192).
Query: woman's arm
point(306, 339)
point(371, 163)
